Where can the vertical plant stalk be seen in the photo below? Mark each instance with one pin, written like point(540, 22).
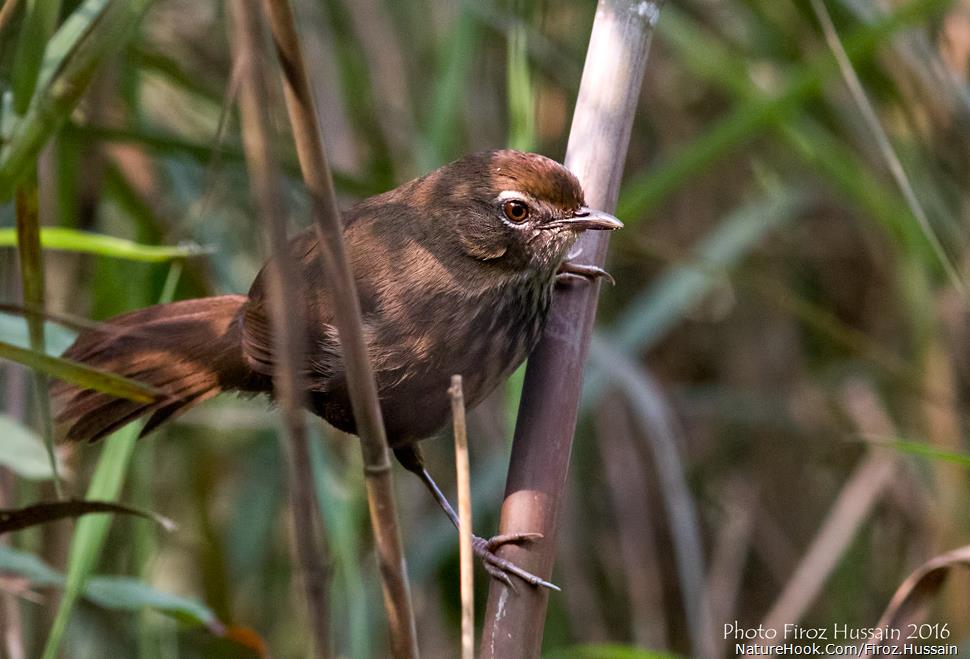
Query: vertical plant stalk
point(598, 141)
point(871, 119)
point(360, 378)
point(866, 485)
point(465, 519)
point(287, 320)
point(32, 278)
point(7, 13)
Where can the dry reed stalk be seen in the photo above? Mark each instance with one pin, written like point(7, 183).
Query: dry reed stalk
point(286, 319)
point(465, 519)
point(869, 481)
point(360, 378)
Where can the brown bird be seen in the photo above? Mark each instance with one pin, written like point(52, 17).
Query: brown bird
point(455, 272)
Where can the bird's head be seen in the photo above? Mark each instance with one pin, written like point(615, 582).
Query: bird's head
point(520, 211)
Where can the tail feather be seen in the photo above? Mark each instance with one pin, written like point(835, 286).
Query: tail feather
point(189, 350)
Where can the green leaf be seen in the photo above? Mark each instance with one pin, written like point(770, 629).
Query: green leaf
point(13, 329)
point(351, 595)
point(80, 375)
point(645, 192)
point(202, 153)
point(118, 593)
point(22, 451)
point(129, 594)
point(40, 20)
point(90, 532)
point(89, 535)
point(822, 151)
point(94, 31)
point(21, 563)
point(73, 240)
point(922, 450)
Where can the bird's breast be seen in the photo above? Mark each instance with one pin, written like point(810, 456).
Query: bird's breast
point(482, 337)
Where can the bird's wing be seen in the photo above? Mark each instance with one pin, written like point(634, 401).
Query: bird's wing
point(366, 243)
point(314, 303)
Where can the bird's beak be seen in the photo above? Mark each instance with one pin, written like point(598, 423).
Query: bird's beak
point(586, 219)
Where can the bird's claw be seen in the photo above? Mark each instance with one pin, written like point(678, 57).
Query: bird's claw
point(500, 568)
point(572, 271)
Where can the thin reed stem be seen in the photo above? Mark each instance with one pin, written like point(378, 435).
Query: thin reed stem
point(360, 378)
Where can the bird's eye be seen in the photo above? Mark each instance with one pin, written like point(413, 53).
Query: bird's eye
point(516, 211)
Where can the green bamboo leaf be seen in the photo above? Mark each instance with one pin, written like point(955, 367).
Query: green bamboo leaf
point(645, 192)
point(119, 593)
point(73, 240)
point(24, 564)
point(80, 375)
point(90, 532)
point(40, 20)
point(129, 594)
point(22, 451)
point(94, 31)
point(921, 449)
point(702, 53)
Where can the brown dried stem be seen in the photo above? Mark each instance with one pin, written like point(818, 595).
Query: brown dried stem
point(287, 322)
point(360, 378)
point(598, 141)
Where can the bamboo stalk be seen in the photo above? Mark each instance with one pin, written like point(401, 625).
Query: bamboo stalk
point(465, 517)
point(598, 141)
point(285, 313)
point(360, 378)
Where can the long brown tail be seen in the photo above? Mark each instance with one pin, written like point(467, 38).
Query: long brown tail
point(190, 350)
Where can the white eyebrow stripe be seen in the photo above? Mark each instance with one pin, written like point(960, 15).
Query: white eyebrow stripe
point(505, 195)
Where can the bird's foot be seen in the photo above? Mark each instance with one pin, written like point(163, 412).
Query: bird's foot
point(500, 568)
point(570, 271)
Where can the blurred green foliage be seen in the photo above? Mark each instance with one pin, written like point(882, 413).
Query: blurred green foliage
point(770, 266)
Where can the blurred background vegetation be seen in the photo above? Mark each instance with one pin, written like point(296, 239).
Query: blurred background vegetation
point(774, 424)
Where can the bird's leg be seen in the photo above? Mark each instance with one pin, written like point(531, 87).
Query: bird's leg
point(498, 567)
point(571, 271)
